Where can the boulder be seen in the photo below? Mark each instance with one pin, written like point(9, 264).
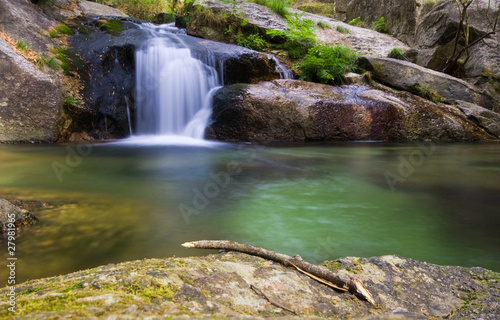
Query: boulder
point(485, 118)
point(220, 287)
point(10, 213)
point(90, 9)
point(25, 21)
point(30, 101)
point(405, 75)
point(434, 42)
point(290, 110)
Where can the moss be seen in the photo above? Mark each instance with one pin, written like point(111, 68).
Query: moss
point(423, 90)
point(112, 26)
point(70, 62)
point(64, 29)
point(73, 287)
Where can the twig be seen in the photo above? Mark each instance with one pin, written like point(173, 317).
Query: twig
point(344, 288)
point(352, 285)
point(274, 303)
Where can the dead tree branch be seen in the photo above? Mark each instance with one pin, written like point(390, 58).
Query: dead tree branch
point(337, 281)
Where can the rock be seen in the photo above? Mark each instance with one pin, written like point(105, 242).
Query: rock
point(60, 9)
point(89, 8)
point(434, 42)
point(30, 101)
point(405, 75)
point(25, 21)
point(485, 118)
point(363, 40)
point(9, 213)
point(218, 286)
point(289, 110)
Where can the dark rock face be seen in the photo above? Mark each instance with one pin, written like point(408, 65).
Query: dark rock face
point(289, 110)
point(9, 213)
point(30, 101)
point(404, 75)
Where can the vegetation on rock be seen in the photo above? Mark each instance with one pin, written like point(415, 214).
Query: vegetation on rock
point(328, 64)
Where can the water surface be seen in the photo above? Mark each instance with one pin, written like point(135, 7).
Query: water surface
point(116, 202)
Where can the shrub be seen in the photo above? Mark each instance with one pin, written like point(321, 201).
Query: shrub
point(380, 26)
point(300, 36)
point(342, 29)
point(356, 22)
point(280, 7)
point(396, 53)
point(327, 64)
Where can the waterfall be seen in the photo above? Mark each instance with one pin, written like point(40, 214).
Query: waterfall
point(174, 89)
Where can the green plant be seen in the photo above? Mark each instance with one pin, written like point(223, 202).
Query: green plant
point(316, 7)
point(254, 41)
point(279, 6)
point(52, 63)
point(22, 45)
point(143, 9)
point(323, 25)
point(356, 22)
point(70, 102)
point(53, 34)
point(423, 90)
point(380, 26)
point(342, 29)
point(299, 37)
point(327, 64)
point(396, 53)
point(64, 29)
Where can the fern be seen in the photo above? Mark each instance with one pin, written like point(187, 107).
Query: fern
point(327, 64)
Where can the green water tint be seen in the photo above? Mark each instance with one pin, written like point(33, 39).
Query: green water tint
point(120, 203)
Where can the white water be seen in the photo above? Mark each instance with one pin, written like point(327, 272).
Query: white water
point(174, 90)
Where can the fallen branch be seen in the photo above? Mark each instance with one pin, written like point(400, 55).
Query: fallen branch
point(274, 303)
point(337, 281)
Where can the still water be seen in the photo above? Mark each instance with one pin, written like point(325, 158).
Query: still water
point(115, 202)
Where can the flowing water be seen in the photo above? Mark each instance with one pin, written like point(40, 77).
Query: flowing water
point(113, 202)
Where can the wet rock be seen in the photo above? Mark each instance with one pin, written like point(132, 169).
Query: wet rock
point(404, 75)
point(218, 286)
point(10, 213)
point(289, 110)
point(30, 101)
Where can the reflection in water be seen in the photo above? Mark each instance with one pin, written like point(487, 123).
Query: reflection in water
point(125, 202)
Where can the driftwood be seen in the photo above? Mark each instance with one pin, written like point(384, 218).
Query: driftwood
point(325, 276)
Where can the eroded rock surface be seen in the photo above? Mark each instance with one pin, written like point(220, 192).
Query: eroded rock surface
point(9, 213)
point(218, 286)
point(290, 110)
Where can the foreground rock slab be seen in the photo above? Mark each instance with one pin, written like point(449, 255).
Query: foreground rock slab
point(218, 286)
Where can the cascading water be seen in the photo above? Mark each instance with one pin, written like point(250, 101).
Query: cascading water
point(174, 89)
